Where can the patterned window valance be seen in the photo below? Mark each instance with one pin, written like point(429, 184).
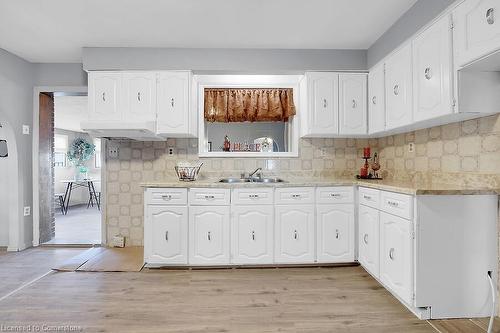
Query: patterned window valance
point(239, 105)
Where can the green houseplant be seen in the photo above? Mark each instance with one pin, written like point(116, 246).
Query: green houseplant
point(80, 152)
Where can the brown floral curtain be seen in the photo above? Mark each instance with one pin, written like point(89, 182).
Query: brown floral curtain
point(239, 105)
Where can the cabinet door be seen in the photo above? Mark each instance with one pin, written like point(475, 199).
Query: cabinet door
point(352, 103)
point(376, 100)
point(323, 110)
point(165, 235)
point(139, 96)
point(398, 89)
point(294, 235)
point(432, 71)
point(335, 234)
point(173, 102)
point(252, 234)
point(396, 256)
point(476, 30)
point(208, 235)
point(369, 239)
point(104, 96)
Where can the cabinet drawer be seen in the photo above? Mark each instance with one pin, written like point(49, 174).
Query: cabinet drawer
point(396, 203)
point(341, 194)
point(253, 196)
point(295, 195)
point(209, 197)
point(369, 197)
point(166, 196)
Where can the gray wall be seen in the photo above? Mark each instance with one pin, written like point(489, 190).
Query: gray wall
point(270, 61)
point(16, 107)
point(59, 75)
point(415, 18)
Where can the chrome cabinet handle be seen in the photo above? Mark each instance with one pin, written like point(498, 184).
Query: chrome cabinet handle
point(296, 196)
point(335, 195)
point(166, 235)
point(374, 100)
point(367, 197)
point(337, 234)
point(428, 73)
point(396, 89)
point(490, 16)
point(253, 235)
point(365, 239)
point(324, 103)
point(354, 104)
point(209, 197)
point(392, 203)
point(172, 102)
point(209, 236)
point(104, 97)
point(295, 234)
point(139, 96)
point(253, 196)
point(166, 197)
point(391, 253)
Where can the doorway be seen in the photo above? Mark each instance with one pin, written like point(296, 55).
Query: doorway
point(69, 172)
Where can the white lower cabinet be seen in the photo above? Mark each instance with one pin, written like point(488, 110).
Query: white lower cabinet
point(252, 234)
point(294, 239)
point(396, 256)
point(368, 239)
point(335, 233)
point(209, 235)
point(166, 233)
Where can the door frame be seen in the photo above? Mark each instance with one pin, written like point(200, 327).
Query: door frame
point(36, 200)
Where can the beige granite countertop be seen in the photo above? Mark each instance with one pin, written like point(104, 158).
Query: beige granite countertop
point(405, 187)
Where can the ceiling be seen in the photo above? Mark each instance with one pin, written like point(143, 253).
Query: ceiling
point(56, 30)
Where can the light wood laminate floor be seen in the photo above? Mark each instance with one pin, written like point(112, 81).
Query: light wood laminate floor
point(339, 299)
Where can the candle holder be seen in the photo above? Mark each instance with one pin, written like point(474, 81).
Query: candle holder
point(364, 171)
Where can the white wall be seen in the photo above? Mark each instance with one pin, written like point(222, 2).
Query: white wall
point(4, 199)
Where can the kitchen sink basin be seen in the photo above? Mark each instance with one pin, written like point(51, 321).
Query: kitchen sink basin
point(251, 180)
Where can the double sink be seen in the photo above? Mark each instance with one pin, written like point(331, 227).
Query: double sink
point(235, 180)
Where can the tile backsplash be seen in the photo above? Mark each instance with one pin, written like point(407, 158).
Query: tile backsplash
point(459, 153)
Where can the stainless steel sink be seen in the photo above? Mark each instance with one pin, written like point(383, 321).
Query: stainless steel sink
point(235, 180)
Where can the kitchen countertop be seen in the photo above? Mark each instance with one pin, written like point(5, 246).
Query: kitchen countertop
point(404, 187)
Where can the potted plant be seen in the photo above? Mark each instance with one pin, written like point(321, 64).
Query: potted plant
point(80, 152)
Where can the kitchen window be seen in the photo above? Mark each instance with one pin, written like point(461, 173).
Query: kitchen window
point(97, 153)
point(60, 150)
point(248, 115)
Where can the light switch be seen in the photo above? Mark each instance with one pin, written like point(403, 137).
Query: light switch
point(27, 211)
point(26, 129)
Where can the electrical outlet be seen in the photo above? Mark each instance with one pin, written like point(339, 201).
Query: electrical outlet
point(322, 152)
point(27, 211)
point(26, 129)
point(170, 151)
point(113, 151)
point(411, 147)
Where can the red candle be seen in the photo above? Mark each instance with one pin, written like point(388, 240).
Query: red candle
point(366, 152)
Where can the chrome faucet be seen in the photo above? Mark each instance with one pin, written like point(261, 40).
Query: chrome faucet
point(257, 171)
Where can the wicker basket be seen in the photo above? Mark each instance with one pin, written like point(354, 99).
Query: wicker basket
point(188, 173)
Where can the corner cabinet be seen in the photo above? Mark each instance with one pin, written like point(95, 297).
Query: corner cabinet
point(376, 99)
point(369, 240)
point(352, 104)
point(476, 30)
point(432, 71)
point(398, 88)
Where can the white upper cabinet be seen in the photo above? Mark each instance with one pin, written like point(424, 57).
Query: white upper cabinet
point(173, 103)
point(139, 96)
point(104, 96)
point(398, 89)
point(352, 104)
point(432, 71)
point(376, 99)
point(335, 233)
point(252, 234)
point(323, 105)
point(476, 30)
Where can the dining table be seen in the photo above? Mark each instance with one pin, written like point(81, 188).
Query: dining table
point(87, 183)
